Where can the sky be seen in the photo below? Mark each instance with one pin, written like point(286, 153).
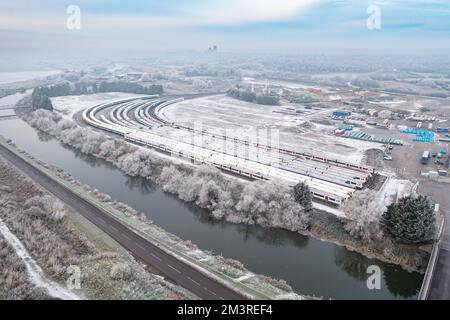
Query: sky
point(232, 25)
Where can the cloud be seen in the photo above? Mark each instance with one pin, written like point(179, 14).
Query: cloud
point(229, 23)
point(233, 12)
point(206, 14)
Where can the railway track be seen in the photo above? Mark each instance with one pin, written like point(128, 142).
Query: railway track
point(320, 189)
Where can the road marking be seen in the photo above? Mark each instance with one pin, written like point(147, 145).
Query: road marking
point(112, 227)
point(174, 269)
point(140, 246)
point(210, 291)
point(126, 236)
point(194, 281)
point(156, 257)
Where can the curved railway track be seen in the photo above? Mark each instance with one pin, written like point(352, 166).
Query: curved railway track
point(317, 167)
point(134, 119)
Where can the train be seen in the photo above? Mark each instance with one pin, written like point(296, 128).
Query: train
point(136, 131)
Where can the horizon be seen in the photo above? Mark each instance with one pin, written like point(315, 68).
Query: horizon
point(272, 26)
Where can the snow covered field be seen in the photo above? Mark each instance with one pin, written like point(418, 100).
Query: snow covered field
point(69, 105)
point(12, 99)
point(10, 77)
point(279, 83)
point(220, 113)
point(35, 273)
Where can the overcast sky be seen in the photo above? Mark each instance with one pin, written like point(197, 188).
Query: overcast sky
point(273, 25)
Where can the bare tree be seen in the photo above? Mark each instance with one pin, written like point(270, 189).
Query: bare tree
point(363, 215)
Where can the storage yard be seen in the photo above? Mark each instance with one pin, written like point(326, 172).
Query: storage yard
point(137, 120)
point(325, 146)
point(329, 146)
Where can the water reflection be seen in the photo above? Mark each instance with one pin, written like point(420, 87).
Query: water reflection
point(401, 283)
point(398, 282)
point(351, 263)
point(144, 186)
point(44, 137)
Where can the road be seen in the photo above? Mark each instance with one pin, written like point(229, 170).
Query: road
point(172, 268)
point(440, 283)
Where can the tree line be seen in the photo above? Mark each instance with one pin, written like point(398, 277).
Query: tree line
point(410, 220)
point(249, 96)
point(40, 97)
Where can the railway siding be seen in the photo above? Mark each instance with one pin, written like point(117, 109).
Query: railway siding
point(329, 180)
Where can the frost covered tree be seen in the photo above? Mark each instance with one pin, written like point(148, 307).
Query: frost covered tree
point(302, 195)
point(411, 220)
point(266, 204)
point(363, 214)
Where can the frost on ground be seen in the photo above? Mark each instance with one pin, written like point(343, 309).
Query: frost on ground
point(15, 283)
point(69, 105)
point(224, 112)
point(394, 189)
point(35, 272)
point(53, 241)
point(10, 77)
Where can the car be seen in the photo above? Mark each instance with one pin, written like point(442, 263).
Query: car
point(386, 157)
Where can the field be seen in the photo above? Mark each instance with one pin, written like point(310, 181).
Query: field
point(69, 105)
point(10, 77)
point(304, 130)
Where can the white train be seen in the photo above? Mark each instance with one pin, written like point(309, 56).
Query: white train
point(320, 189)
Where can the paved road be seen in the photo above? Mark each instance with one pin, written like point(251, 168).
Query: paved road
point(172, 268)
point(440, 283)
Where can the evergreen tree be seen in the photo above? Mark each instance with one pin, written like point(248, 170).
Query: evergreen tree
point(411, 220)
point(302, 195)
point(40, 99)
